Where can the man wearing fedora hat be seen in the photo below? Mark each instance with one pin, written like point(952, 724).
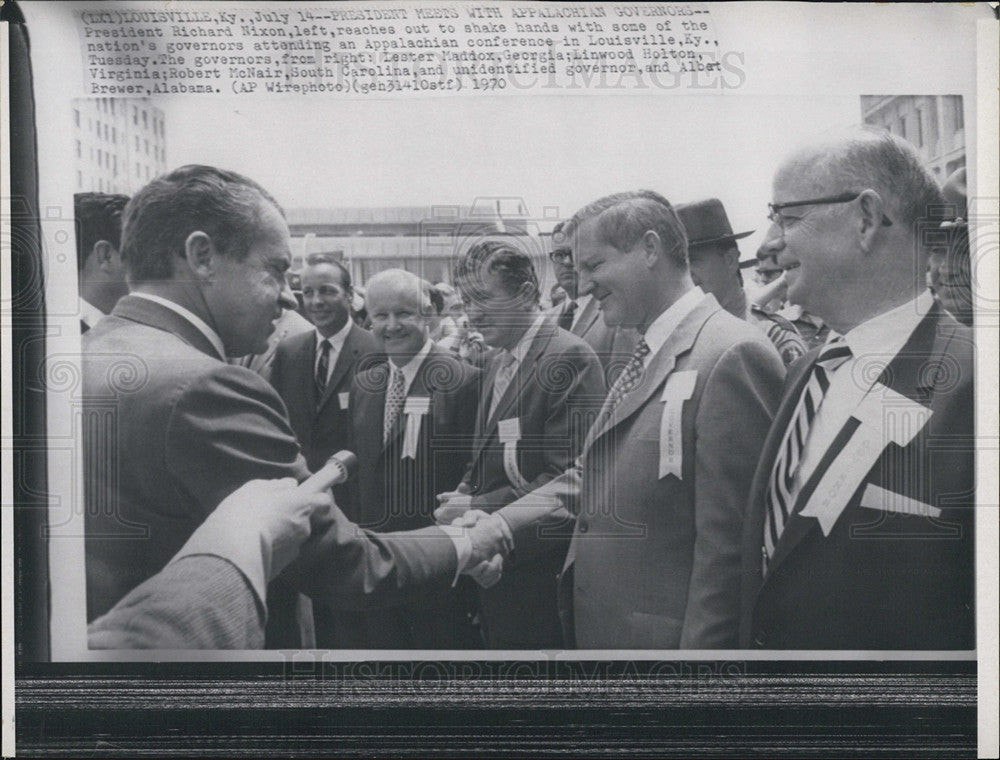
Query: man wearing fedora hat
point(715, 267)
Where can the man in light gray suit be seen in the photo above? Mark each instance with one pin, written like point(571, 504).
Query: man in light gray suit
point(659, 491)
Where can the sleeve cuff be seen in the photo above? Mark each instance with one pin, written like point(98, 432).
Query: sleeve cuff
point(463, 547)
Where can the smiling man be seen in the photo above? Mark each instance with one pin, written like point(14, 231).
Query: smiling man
point(540, 391)
point(659, 489)
point(860, 533)
point(412, 422)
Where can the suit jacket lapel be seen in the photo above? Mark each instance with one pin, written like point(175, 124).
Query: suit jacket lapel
point(590, 314)
point(677, 343)
point(152, 314)
point(524, 371)
point(907, 375)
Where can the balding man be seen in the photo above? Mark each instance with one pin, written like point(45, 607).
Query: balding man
point(860, 530)
point(412, 421)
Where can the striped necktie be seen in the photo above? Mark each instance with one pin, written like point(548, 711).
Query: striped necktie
point(505, 373)
point(779, 491)
point(322, 368)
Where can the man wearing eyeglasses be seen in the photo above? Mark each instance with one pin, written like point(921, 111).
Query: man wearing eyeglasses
point(581, 314)
point(859, 533)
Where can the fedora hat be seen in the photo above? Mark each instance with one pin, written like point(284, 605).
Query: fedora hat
point(706, 223)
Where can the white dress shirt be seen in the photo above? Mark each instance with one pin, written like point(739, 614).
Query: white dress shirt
point(873, 345)
point(411, 368)
point(661, 327)
point(90, 315)
point(194, 319)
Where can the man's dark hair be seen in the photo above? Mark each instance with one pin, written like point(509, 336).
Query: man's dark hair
point(98, 217)
point(313, 259)
point(222, 204)
point(501, 257)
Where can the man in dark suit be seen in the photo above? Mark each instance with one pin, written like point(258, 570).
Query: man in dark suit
point(660, 488)
point(313, 372)
point(580, 313)
point(412, 422)
point(861, 526)
point(100, 269)
point(170, 429)
point(539, 396)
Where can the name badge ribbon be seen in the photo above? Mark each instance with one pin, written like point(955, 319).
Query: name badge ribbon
point(886, 417)
point(342, 399)
point(679, 388)
point(510, 434)
point(415, 409)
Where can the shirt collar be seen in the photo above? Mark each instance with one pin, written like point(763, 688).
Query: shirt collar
point(887, 333)
point(411, 368)
point(337, 339)
point(658, 332)
point(90, 315)
point(521, 349)
point(194, 319)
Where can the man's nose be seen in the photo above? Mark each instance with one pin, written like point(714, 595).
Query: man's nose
point(286, 299)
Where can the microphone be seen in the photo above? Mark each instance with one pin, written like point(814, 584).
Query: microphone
point(338, 469)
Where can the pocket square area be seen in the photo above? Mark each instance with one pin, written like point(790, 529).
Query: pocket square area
point(876, 497)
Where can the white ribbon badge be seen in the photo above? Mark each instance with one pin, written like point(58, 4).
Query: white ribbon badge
point(679, 388)
point(886, 417)
point(510, 433)
point(415, 409)
point(342, 399)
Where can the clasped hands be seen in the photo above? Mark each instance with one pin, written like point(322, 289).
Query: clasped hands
point(489, 534)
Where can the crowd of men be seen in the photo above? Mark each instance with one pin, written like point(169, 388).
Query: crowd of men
point(663, 459)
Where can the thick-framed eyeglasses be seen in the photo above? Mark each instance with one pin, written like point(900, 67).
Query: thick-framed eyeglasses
point(775, 209)
point(563, 256)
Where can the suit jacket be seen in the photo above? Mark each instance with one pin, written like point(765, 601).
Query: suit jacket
point(553, 396)
point(170, 430)
point(323, 425)
point(881, 579)
point(400, 494)
point(197, 602)
point(613, 345)
point(655, 557)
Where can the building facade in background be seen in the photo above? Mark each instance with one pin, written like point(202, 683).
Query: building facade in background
point(422, 240)
point(935, 124)
point(119, 144)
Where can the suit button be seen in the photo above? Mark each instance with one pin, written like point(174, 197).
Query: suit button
point(583, 526)
point(759, 639)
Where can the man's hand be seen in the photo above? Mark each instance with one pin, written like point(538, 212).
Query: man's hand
point(488, 573)
point(489, 535)
point(278, 511)
point(454, 504)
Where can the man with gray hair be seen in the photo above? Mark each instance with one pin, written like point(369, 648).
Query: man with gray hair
point(860, 525)
point(660, 487)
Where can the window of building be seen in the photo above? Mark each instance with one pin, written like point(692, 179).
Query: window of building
point(902, 127)
point(137, 173)
point(114, 165)
point(135, 115)
point(76, 116)
point(956, 104)
point(146, 142)
point(145, 121)
point(79, 149)
point(112, 107)
point(920, 127)
point(114, 135)
point(79, 179)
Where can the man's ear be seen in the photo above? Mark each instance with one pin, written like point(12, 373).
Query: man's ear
point(652, 248)
point(871, 213)
point(103, 253)
point(201, 255)
point(732, 259)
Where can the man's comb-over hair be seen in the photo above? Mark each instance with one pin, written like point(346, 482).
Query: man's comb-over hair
point(222, 204)
point(623, 218)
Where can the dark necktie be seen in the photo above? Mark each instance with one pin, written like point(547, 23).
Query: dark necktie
point(779, 491)
point(322, 368)
point(566, 318)
point(394, 399)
